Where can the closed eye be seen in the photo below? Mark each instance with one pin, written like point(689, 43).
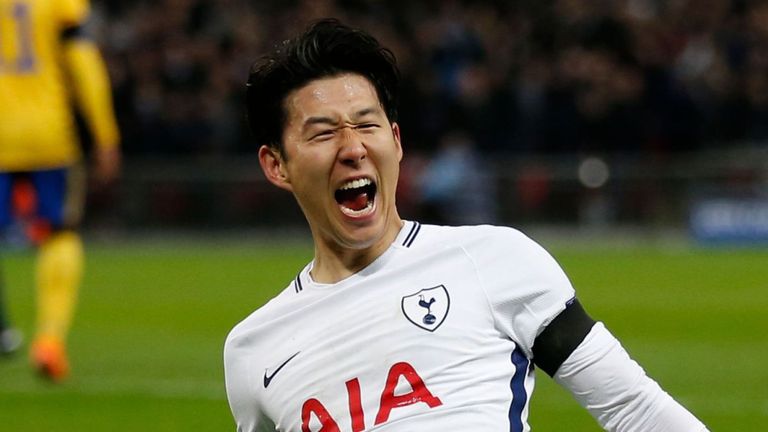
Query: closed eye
point(323, 135)
point(367, 126)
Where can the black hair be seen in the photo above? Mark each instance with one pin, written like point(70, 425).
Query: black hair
point(326, 48)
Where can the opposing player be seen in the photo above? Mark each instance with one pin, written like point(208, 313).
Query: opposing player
point(395, 325)
point(46, 62)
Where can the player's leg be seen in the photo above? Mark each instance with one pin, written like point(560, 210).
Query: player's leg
point(10, 339)
point(59, 265)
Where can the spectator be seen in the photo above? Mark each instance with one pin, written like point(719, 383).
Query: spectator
point(532, 77)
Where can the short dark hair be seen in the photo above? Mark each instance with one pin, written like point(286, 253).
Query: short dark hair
point(326, 48)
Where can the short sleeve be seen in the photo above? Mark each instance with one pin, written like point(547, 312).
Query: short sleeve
point(241, 399)
point(525, 286)
point(72, 12)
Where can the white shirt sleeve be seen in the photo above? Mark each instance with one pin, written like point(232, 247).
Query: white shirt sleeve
point(237, 379)
point(525, 286)
point(616, 390)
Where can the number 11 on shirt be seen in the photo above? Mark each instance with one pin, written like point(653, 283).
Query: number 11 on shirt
point(24, 61)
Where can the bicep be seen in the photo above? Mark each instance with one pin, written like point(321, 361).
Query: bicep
point(561, 337)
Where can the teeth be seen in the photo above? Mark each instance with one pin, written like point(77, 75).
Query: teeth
point(354, 184)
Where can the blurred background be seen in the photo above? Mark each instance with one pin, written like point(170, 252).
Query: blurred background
point(579, 113)
point(589, 124)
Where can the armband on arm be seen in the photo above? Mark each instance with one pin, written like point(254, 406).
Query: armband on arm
point(584, 357)
point(616, 390)
point(561, 337)
point(75, 31)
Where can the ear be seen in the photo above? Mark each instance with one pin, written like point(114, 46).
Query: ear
point(273, 165)
point(396, 136)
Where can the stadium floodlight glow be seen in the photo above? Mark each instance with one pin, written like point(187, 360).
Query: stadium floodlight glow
point(594, 172)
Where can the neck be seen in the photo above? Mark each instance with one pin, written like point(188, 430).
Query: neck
point(334, 261)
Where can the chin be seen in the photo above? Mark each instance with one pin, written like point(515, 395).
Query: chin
point(363, 237)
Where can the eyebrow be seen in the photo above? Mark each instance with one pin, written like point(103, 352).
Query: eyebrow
point(364, 112)
point(332, 122)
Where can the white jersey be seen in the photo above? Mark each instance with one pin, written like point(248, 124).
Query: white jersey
point(435, 334)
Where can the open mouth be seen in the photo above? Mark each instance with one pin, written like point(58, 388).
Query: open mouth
point(356, 197)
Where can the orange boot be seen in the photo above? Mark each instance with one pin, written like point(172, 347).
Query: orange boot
point(49, 358)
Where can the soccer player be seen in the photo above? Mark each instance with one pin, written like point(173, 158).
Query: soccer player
point(397, 325)
point(46, 62)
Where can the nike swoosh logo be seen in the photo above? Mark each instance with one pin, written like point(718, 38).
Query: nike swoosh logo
point(268, 378)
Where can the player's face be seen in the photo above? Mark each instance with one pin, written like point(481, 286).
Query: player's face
point(341, 160)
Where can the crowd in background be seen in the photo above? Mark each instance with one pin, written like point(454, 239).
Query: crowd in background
point(515, 77)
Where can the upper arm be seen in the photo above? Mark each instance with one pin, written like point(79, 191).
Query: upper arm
point(72, 13)
point(72, 16)
point(242, 399)
point(526, 288)
point(561, 337)
point(72, 32)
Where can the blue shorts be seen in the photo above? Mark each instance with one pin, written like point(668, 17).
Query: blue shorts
point(55, 197)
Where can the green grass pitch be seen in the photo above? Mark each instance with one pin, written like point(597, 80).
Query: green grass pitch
point(146, 343)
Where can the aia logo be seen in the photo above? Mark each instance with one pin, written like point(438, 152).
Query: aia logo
point(427, 308)
point(316, 417)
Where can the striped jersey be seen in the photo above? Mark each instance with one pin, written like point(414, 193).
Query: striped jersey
point(435, 334)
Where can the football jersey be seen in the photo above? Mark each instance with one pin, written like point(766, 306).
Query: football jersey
point(435, 334)
point(37, 128)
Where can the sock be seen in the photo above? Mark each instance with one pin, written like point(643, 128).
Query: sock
point(59, 270)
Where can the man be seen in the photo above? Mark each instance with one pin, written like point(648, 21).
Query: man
point(395, 325)
point(46, 60)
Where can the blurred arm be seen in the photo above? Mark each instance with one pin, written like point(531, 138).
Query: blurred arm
point(93, 94)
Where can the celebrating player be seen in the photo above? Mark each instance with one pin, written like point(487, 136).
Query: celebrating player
point(396, 325)
point(45, 61)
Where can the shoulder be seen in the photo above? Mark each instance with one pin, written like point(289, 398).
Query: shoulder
point(73, 12)
point(475, 238)
point(524, 285)
point(496, 252)
point(247, 331)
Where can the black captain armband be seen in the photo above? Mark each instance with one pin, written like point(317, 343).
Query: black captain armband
point(561, 337)
point(74, 32)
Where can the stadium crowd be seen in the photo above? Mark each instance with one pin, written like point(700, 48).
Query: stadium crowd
point(517, 77)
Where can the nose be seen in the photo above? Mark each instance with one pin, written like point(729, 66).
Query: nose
point(353, 150)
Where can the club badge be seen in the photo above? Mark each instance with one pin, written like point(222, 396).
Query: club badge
point(427, 308)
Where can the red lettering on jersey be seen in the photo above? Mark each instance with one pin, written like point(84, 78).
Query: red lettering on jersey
point(418, 393)
point(355, 405)
point(313, 406)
